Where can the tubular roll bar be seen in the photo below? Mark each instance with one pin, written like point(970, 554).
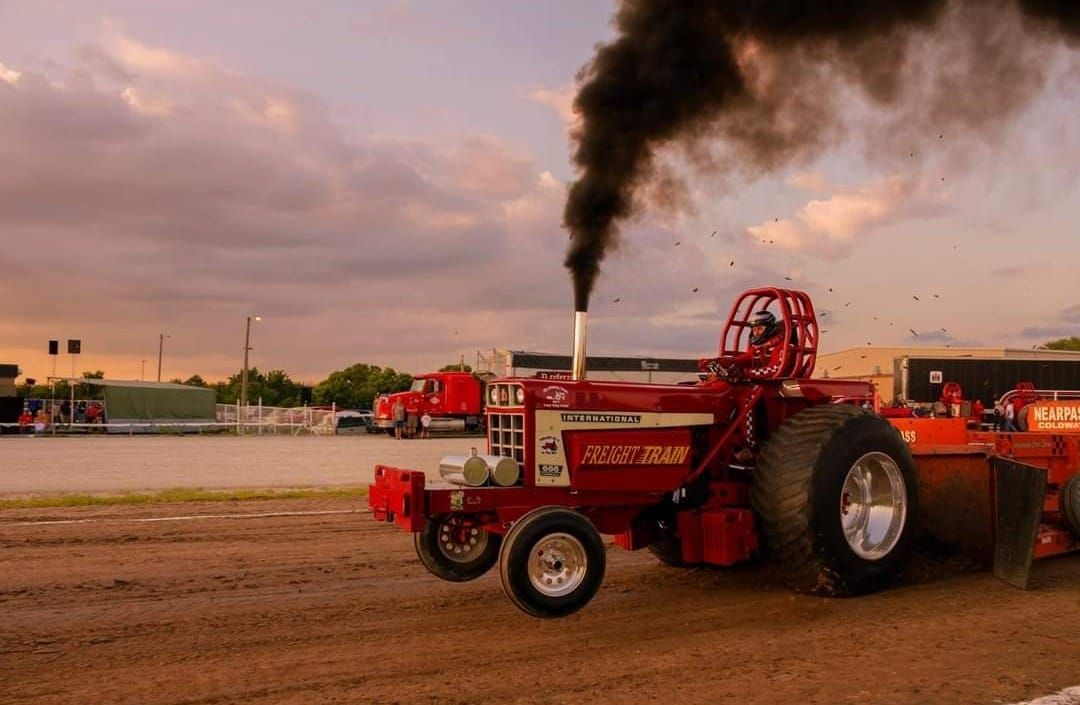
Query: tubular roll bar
point(796, 314)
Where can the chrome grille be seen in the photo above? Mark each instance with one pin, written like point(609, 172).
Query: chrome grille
point(506, 436)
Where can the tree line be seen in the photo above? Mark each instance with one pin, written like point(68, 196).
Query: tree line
point(354, 387)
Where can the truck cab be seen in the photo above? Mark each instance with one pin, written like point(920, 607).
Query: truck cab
point(454, 400)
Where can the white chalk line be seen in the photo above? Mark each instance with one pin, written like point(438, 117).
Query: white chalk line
point(1069, 696)
point(187, 517)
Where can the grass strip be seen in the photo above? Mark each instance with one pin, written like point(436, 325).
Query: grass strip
point(180, 494)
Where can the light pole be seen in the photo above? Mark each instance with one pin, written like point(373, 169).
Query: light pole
point(244, 375)
point(160, 350)
point(142, 371)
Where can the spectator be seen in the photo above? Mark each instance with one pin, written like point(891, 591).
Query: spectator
point(93, 413)
point(1010, 417)
point(410, 423)
point(41, 420)
point(999, 414)
point(978, 409)
point(65, 411)
point(425, 425)
point(26, 421)
point(399, 419)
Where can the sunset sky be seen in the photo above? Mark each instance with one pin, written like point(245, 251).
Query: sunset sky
point(383, 182)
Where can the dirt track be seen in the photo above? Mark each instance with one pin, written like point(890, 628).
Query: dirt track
point(334, 608)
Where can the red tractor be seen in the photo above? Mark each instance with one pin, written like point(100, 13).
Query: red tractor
point(772, 462)
point(758, 458)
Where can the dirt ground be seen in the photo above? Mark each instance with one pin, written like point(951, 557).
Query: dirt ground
point(335, 608)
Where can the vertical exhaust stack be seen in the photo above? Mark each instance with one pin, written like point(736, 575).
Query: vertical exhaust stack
point(581, 319)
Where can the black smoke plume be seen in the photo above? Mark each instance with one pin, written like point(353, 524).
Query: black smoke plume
point(760, 78)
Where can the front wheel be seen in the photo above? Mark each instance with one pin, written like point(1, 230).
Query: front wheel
point(552, 562)
point(455, 548)
point(835, 492)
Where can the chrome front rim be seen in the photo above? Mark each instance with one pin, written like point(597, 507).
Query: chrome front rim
point(460, 543)
point(557, 565)
point(873, 506)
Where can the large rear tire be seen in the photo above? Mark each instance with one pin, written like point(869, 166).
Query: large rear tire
point(835, 493)
point(452, 549)
point(552, 562)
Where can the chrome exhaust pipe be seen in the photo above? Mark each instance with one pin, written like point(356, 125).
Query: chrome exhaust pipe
point(580, 322)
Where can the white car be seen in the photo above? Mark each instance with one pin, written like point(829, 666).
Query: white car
point(350, 422)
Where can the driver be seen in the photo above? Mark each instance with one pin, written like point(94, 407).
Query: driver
point(760, 361)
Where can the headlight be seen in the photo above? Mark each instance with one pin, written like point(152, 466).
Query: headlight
point(519, 395)
point(493, 395)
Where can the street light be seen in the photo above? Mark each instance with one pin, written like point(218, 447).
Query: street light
point(160, 350)
point(244, 376)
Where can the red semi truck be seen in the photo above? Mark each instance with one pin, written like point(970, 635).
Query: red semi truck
point(454, 400)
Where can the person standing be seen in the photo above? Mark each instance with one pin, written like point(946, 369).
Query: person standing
point(425, 425)
point(1010, 417)
point(399, 419)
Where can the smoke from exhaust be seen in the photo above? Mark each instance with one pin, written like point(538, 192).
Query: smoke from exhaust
point(757, 85)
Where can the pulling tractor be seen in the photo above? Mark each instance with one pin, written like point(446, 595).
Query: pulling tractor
point(788, 467)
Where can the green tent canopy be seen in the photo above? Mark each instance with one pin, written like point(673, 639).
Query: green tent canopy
point(155, 402)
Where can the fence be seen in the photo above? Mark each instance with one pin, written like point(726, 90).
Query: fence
point(261, 419)
point(251, 420)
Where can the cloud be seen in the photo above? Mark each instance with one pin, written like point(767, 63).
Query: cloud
point(810, 181)
point(560, 99)
point(9, 75)
point(1046, 332)
point(1071, 314)
point(183, 195)
point(830, 226)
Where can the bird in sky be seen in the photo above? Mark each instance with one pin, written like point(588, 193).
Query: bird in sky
point(713, 234)
point(915, 297)
point(788, 279)
point(913, 332)
point(616, 300)
point(732, 263)
point(678, 242)
point(694, 289)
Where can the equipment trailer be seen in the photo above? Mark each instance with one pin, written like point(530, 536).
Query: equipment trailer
point(785, 466)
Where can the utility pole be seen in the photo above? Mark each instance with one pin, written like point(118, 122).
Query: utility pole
point(244, 375)
point(142, 371)
point(160, 350)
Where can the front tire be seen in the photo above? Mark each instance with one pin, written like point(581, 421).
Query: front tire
point(453, 549)
point(552, 562)
point(835, 492)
